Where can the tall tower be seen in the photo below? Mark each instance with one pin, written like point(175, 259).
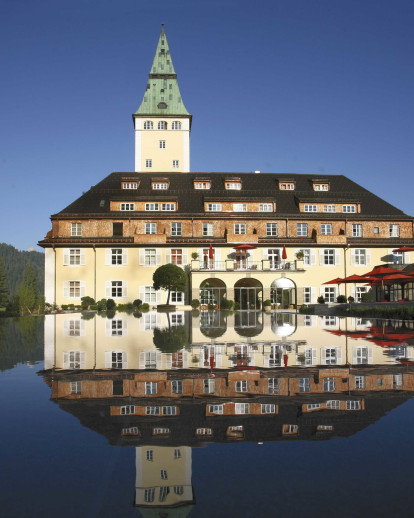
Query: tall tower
point(162, 122)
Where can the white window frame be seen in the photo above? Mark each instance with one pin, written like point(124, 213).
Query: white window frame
point(321, 187)
point(129, 185)
point(202, 186)
point(214, 207)
point(176, 228)
point(271, 229)
point(329, 293)
point(148, 163)
point(150, 228)
point(148, 125)
point(215, 409)
point(326, 229)
point(268, 408)
point(127, 410)
point(265, 207)
point(176, 125)
point(160, 186)
point(329, 208)
point(233, 186)
point(356, 230)
point(120, 288)
point(127, 206)
point(242, 408)
point(76, 229)
point(208, 229)
point(116, 257)
point(162, 144)
point(286, 186)
point(176, 164)
point(177, 386)
point(240, 228)
point(74, 289)
point(241, 386)
point(310, 207)
point(151, 206)
point(394, 230)
point(209, 385)
point(151, 388)
point(168, 206)
point(302, 229)
point(239, 207)
point(349, 208)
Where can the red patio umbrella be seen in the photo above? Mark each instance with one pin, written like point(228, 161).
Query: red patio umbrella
point(284, 253)
point(404, 249)
point(397, 277)
point(380, 271)
point(355, 278)
point(337, 280)
point(244, 247)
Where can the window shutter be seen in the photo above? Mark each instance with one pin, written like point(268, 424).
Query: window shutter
point(368, 257)
point(108, 359)
point(66, 327)
point(168, 361)
point(142, 360)
point(217, 254)
point(158, 257)
point(352, 256)
point(108, 327)
point(159, 360)
point(82, 360)
point(141, 293)
point(168, 256)
point(82, 289)
point(266, 360)
point(337, 257)
point(314, 356)
point(66, 360)
point(354, 355)
point(312, 257)
point(124, 256)
point(124, 327)
point(323, 356)
point(406, 256)
point(339, 355)
point(313, 295)
point(108, 286)
point(353, 292)
point(66, 257)
point(66, 290)
point(321, 257)
point(370, 355)
point(124, 289)
point(264, 253)
point(108, 256)
point(124, 360)
point(322, 291)
point(142, 256)
point(390, 256)
point(82, 258)
point(185, 359)
point(185, 256)
point(82, 328)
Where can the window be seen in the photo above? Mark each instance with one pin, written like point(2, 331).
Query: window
point(116, 326)
point(127, 410)
point(329, 384)
point(359, 257)
point(127, 206)
point(150, 228)
point(265, 207)
point(290, 429)
point(176, 164)
point(168, 206)
point(176, 297)
point(268, 408)
point(311, 208)
point(176, 229)
point(74, 289)
point(150, 455)
point(273, 385)
point(177, 387)
point(329, 293)
point(214, 207)
point(356, 230)
point(116, 256)
point(162, 144)
point(177, 453)
point(150, 295)
point(397, 257)
point(359, 382)
point(202, 185)
point(242, 408)
point(240, 228)
point(215, 409)
point(329, 208)
point(204, 431)
point(151, 387)
point(239, 207)
point(179, 490)
point(149, 493)
point(169, 410)
point(376, 230)
point(117, 289)
point(148, 125)
point(152, 410)
point(129, 185)
point(160, 186)
point(152, 206)
point(209, 386)
point(321, 187)
point(74, 327)
point(176, 256)
point(76, 388)
point(353, 405)
point(307, 295)
point(241, 386)
point(287, 186)
point(394, 230)
point(164, 490)
point(76, 229)
point(117, 229)
point(304, 385)
point(235, 186)
point(148, 163)
point(326, 229)
point(397, 381)
point(302, 229)
point(162, 125)
point(330, 356)
point(348, 208)
point(164, 475)
point(313, 406)
point(333, 404)
point(208, 229)
point(271, 229)
point(176, 125)
point(328, 256)
point(361, 355)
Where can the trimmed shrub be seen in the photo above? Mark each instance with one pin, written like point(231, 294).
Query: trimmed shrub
point(321, 300)
point(226, 304)
point(195, 303)
point(307, 310)
point(137, 303)
point(341, 299)
point(145, 307)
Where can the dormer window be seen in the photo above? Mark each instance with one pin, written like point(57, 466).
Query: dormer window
point(162, 125)
point(148, 125)
point(286, 186)
point(348, 208)
point(129, 185)
point(127, 206)
point(234, 185)
point(310, 207)
point(160, 186)
point(214, 207)
point(321, 186)
point(202, 184)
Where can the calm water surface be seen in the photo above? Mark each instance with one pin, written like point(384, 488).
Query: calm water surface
point(206, 416)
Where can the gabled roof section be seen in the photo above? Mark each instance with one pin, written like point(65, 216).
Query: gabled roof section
point(162, 96)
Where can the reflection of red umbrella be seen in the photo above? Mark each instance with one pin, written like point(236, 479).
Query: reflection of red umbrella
point(404, 249)
point(211, 252)
point(285, 360)
point(212, 362)
point(284, 253)
point(351, 334)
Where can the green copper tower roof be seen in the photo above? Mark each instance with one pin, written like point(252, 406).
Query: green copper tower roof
point(162, 96)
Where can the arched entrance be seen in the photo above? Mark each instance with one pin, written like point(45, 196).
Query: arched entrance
point(248, 293)
point(283, 293)
point(212, 291)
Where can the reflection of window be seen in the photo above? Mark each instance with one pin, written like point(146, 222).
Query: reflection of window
point(329, 384)
point(127, 410)
point(242, 408)
point(76, 387)
point(169, 410)
point(397, 380)
point(241, 386)
point(304, 385)
point(150, 455)
point(290, 429)
point(149, 494)
point(117, 359)
point(151, 387)
point(209, 386)
point(268, 408)
point(330, 356)
point(333, 404)
point(353, 405)
point(177, 453)
point(273, 385)
point(204, 431)
point(177, 387)
point(359, 382)
point(215, 409)
point(74, 360)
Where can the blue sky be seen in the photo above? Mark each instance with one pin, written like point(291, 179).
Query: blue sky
point(285, 86)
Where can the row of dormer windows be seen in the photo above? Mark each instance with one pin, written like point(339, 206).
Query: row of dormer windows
point(313, 207)
point(162, 125)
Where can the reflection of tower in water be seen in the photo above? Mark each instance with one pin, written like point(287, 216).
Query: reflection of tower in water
point(163, 479)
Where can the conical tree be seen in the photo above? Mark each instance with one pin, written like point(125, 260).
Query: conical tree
point(28, 291)
point(4, 291)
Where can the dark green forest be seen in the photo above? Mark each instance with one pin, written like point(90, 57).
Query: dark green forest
point(14, 262)
point(21, 341)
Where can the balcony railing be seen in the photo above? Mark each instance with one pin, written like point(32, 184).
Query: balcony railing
point(230, 265)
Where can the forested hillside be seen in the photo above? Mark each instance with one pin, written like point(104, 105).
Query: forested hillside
point(14, 264)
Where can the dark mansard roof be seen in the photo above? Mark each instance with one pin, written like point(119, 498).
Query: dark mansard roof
point(263, 187)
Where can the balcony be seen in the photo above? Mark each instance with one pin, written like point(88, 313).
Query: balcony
point(230, 265)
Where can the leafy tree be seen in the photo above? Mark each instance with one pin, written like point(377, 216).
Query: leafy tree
point(169, 277)
point(170, 340)
point(14, 264)
point(4, 291)
point(28, 291)
point(110, 304)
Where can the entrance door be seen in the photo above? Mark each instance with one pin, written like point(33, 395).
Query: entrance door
point(246, 297)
